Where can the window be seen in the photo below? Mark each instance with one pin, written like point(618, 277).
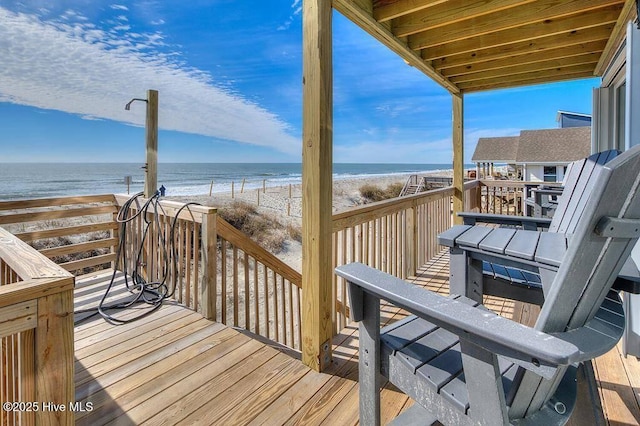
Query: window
point(550, 173)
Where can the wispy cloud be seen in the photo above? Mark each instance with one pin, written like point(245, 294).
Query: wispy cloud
point(411, 147)
point(71, 65)
point(297, 9)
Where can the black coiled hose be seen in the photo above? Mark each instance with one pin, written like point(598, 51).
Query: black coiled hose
point(150, 293)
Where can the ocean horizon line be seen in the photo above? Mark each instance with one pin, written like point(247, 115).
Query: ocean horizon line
point(40, 180)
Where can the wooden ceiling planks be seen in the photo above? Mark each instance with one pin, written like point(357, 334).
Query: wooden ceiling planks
point(449, 13)
point(527, 33)
point(589, 51)
point(572, 40)
point(471, 45)
point(517, 20)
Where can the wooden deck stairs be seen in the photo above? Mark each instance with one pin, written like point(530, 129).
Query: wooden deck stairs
point(416, 184)
point(413, 185)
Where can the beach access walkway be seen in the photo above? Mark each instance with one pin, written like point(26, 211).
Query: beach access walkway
point(174, 367)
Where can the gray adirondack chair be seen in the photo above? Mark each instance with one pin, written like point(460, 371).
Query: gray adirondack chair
point(521, 284)
point(463, 364)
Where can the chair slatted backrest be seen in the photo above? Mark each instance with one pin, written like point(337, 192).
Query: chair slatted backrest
point(591, 263)
point(576, 188)
point(573, 199)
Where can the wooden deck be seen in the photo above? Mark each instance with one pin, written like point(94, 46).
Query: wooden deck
point(174, 367)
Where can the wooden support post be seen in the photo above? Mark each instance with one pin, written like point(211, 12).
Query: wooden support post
point(458, 157)
point(317, 139)
point(211, 188)
point(232, 194)
point(151, 179)
point(411, 249)
point(209, 264)
point(242, 186)
point(54, 357)
point(264, 186)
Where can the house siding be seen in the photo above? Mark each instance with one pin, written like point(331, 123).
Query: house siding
point(535, 172)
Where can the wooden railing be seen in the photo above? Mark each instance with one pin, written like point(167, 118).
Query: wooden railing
point(78, 233)
point(500, 197)
point(221, 273)
point(254, 290)
point(262, 294)
point(36, 336)
point(395, 236)
point(187, 264)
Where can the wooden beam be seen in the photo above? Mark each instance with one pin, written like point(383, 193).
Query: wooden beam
point(386, 10)
point(458, 157)
point(591, 49)
point(361, 17)
point(629, 13)
point(478, 86)
point(529, 32)
point(450, 13)
point(151, 137)
point(527, 19)
point(556, 41)
point(317, 138)
point(550, 74)
point(589, 59)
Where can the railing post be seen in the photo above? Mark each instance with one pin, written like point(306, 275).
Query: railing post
point(411, 250)
point(54, 358)
point(208, 288)
point(478, 198)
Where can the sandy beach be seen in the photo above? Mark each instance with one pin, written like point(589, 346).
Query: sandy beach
point(285, 202)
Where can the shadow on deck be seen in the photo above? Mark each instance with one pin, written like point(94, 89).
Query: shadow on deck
point(175, 367)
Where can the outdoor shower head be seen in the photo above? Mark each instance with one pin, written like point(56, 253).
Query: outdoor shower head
point(128, 105)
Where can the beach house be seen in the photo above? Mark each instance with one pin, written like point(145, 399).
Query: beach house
point(533, 155)
point(217, 356)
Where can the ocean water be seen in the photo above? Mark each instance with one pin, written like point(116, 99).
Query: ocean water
point(36, 180)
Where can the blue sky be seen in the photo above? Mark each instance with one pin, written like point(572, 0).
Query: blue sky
point(229, 80)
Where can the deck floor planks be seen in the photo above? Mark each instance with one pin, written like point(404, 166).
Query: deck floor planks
point(165, 359)
point(250, 396)
point(165, 389)
point(226, 384)
point(127, 351)
point(632, 368)
point(205, 375)
point(115, 335)
point(618, 401)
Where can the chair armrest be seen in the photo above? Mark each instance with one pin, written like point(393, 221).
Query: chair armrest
point(534, 350)
point(601, 333)
point(526, 222)
point(548, 191)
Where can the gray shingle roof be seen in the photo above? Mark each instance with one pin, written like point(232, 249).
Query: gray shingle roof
point(536, 146)
point(496, 150)
point(554, 145)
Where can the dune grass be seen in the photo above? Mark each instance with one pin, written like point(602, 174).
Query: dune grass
point(371, 193)
point(265, 229)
